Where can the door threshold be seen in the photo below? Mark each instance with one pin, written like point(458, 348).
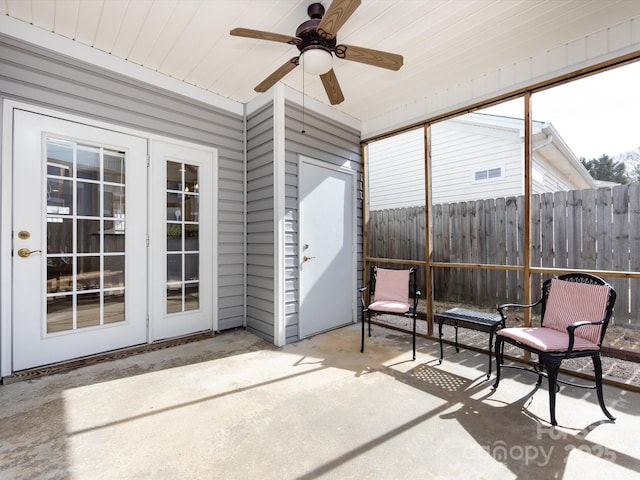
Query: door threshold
point(69, 365)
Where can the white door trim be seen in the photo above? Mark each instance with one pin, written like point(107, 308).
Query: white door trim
point(6, 240)
point(354, 227)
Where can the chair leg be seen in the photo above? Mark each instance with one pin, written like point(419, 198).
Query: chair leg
point(540, 370)
point(490, 347)
point(362, 341)
point(499, 353)
point(414, 336)
point(553, 366)
point(597, 367)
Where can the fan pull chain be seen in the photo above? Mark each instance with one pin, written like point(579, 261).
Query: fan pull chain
point(303, 130)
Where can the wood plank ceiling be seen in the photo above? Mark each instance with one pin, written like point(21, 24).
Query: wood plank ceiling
point(443, 42)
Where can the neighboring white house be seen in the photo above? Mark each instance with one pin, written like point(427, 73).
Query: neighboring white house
point(474, 156)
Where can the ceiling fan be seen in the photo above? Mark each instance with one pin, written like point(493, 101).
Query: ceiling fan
point(317, 43)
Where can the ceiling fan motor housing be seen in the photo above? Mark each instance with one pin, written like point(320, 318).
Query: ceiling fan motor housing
point(315, 10)
point(307, 32)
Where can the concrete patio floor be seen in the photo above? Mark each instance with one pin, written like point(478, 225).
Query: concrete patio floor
point(235, 407)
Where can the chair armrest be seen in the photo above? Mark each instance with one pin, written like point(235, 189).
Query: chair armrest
point(505, 306)
point(517, 305)
point(362, 294)
point(571, 330)
point(417, 294)
point(582, 323)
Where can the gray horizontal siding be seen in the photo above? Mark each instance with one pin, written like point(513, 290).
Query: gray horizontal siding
point(260, 224)
point(325, 140)
point(40, 77)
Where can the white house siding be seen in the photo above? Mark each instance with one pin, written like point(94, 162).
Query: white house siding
point(41, 77)
point(462, 146)
point(552, 179)
point(458, 150)
point(326, 140)
point(395, 171)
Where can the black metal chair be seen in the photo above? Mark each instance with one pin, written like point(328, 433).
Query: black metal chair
point(575, 312)
point(389, 292)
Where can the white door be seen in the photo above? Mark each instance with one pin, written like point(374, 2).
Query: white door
point(327, 247)
point(79, 240)
point(183, 240)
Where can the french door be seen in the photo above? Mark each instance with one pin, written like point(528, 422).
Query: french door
point(110, 249)
point(79, 240)
point(183, 245)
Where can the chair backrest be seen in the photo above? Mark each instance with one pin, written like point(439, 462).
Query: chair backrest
point(571, 298)
point(391, 284)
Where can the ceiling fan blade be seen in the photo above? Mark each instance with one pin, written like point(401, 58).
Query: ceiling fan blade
point(338, 13)
point(260, 35)
point(276, 76)
point(376, 58)
point(332, 87)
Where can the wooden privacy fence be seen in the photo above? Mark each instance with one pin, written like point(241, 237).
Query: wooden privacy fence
point(582, 229)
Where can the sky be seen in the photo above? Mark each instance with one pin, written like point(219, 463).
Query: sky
point(596, 115)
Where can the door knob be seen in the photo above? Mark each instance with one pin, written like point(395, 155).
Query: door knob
point(25, 252)
point(306, 259)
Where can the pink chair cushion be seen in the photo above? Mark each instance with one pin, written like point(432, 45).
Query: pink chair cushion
point(571, 302)
point(392, 291)
point(389, 306)
point(392, 285)
point(546, 339)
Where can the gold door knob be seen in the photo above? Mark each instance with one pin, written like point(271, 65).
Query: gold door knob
point(306, 259)
point(25, 252)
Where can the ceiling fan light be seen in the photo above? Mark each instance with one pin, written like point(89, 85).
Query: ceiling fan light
point(317, 61)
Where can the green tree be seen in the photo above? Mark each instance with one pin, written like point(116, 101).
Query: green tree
point(606, 168)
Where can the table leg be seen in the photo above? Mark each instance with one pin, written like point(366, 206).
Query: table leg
point(490, 349)
point(455, 326)
point(440, 336)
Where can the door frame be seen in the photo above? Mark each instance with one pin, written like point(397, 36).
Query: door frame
point(6, 217)
point(302, 159)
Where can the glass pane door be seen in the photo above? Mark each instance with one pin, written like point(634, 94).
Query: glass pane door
point(85, 235)
point(183, 244)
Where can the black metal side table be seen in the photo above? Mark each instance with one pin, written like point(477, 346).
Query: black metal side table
point(471, 319)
